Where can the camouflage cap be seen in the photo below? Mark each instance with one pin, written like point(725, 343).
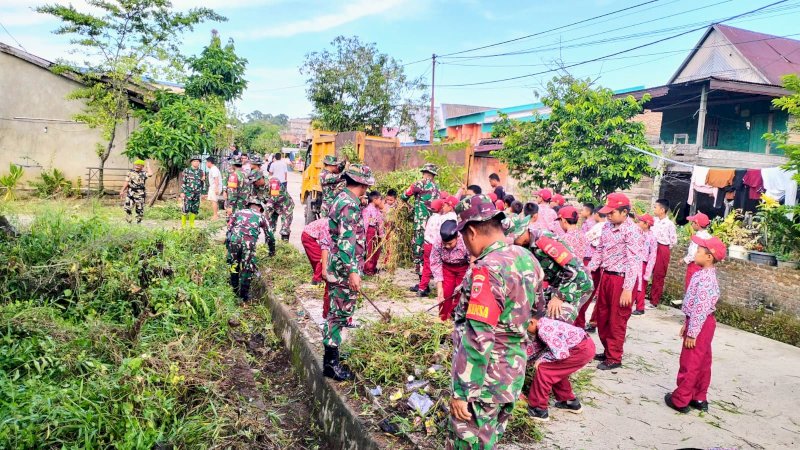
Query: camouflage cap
point(330, 160)
point(476, 208)
point(236, 160)
point(360, 174)
point(430, 168)
point(195, 157)
point(256, 159)
point(253, 200)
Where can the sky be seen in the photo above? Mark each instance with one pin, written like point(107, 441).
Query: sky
point(275, 36)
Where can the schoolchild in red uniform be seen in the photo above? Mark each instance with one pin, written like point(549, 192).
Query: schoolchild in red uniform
point(699, 304)
point(648, 253)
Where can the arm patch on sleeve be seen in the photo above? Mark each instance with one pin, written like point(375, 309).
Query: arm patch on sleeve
point(555, 250)
point(482, 305)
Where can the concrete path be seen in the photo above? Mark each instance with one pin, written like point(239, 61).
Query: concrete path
point(754, 394)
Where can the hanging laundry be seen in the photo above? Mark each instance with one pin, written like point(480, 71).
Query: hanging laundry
point(739, 189)
point(698, 184)
point(780, 184)
point(720, 178)
point(755, 182)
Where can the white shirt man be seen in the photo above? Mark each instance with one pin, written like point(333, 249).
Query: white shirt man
point(278, 169)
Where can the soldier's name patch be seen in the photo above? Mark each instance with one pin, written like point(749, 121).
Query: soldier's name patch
point(482, 305)
point(555, 250)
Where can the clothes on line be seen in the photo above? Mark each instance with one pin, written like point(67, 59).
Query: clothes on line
point(780, 184)
point(754, 180)
point(698, 184)
point(737, 185)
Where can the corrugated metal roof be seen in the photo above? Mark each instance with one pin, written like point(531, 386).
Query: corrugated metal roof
point(450, 110)
point(773, 56)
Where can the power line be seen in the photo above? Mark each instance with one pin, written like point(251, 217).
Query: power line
point(12, 36)
point(599, 58)
point(551, 29)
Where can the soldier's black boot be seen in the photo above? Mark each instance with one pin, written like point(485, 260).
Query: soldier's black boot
point(244, 291)
point(271, 246)
point(285, 237)
point(235, 283)
point(332, 367)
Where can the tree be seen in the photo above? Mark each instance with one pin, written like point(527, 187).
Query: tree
point(121, 40)
point(791, 104)
point(182, 126)
point(580, 146)
point(261, 137)
point(280, 119)
point(353, 87)
point(218, 72)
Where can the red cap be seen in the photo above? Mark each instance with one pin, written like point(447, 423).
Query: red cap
point(614, 201)
point(700, 219)
point(713, 244)
point(568, 212)
point(452, 201)
point(500, 205)
point(647, 218)
point(558, 198)
point(493, 197)
point(443, 194)
point(436, 205)
point(546, 194)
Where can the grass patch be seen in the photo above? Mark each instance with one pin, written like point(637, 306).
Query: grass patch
point(419, 345)
point(115, 336)
point(778, 326)
point(285, 271)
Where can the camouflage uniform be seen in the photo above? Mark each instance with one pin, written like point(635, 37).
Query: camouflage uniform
point(279, 205)
point(424, 192)
point(192, 188)
point(238, 188)
point(564, 273)
point(331, 184)
point(490, 333)
point(256, 179)
point(244, 227)
point(136, 193)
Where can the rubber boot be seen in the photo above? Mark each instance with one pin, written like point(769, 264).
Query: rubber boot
point(235, 283)
point(183, 220)
point(285, 237)
point(271, 245)
point(332, 368)
point(244, 291)
point(191, 220)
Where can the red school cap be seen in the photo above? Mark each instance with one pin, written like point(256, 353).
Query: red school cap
point(546, 194)
point(436, 205)
point(493, 197)
point(713, 244)
point(452, 201)
point(558, 198)
point(614, 201)
point(647, 218)
point(500, 205)
point(568, 212)
point(700, 219)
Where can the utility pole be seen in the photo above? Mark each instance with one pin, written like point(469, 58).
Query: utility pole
point(433, 88)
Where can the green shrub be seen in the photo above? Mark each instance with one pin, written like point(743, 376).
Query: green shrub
point(778, 326)
point(52, 184)
point(9, 182)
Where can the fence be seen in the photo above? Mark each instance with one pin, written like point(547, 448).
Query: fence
point(113, 178)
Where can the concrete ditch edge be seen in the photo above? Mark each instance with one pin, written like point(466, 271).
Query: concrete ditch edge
point(339, 422)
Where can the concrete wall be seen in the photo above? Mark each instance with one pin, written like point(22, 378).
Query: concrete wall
point(743, 283)
point(36, 126)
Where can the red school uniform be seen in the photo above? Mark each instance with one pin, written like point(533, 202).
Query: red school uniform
point(617, 256)
point(699, 304)
point(666, 236)
point(647, 254)
point(373, 221)
point(564, 349)
point(449, 267)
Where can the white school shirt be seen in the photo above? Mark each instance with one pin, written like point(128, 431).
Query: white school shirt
point(692, 251)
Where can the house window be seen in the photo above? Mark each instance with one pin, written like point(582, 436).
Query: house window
point(711, 132)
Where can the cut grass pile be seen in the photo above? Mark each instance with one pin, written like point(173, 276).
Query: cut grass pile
point(117, 336)
point(418, 346)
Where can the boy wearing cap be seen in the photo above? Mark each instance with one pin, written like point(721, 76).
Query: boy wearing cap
point(699, 304)
point(373, 221)
point(442, 210)
point(449, 263)
point(557, 201)
point(573, 236)
point(593, 237)
point(617, 257)
point(331, 182)
point(647, 255)
point(133, 191)
point(424, 192)
point(348, 248)
point(547, 216)
point(699, 223)
point(666, 235)
point(490, 328)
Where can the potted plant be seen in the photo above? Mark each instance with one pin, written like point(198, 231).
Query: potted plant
point(781, 232)
point(733, 232)
point(788, 260)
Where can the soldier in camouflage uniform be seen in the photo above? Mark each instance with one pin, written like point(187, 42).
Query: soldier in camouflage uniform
point(424, 192)
point(567, 285)
point(331, 182)
point(192, 183)
point(244, 227)
point(348, 246)
point(256, 180)
point(279, 205)
point(491, 320)
point(238, 189)
point(133, 191)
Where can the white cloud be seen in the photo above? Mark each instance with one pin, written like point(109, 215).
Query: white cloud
point(351, 12)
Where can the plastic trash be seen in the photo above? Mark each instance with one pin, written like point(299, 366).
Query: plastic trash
point(376, 392)
point(396, 396)
point(421, 403)
point(416, 385)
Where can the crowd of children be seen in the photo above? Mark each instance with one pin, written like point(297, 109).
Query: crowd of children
point(605, 255)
